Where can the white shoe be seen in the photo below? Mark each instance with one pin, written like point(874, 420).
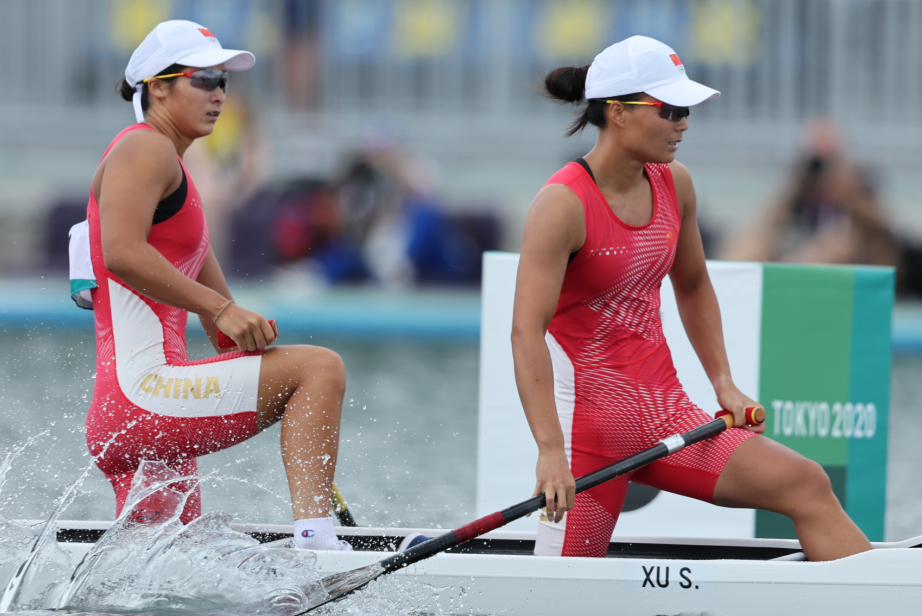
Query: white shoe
point(338, 545)
point(341, 545)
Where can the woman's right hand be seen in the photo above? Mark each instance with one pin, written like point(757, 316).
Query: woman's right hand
point(248, 329)
point(556, 482)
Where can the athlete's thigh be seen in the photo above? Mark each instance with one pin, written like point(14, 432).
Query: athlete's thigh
point(761, 473)
point(176, 412)
point(286, 368)
point(694, 471)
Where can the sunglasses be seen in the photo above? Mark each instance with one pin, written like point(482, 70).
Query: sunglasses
point(206, 79)
point(666, 111)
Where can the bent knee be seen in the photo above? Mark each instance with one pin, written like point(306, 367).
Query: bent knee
point(813, 479)
point(322, 363)
point(305, 365)
point(811, 487)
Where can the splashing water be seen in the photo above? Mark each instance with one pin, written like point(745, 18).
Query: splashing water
point(38, 578)
point(154, 562)
point(15, 539)
point(148, 562)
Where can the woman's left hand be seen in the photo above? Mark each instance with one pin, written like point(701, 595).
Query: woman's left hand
point(735, 401)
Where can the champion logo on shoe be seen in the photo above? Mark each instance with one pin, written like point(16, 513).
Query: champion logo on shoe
point(307, 533)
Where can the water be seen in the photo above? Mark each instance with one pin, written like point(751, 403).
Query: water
point(408, 458)
point(152, 563)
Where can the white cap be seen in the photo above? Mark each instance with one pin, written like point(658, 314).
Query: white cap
point(642, 64)
point(179, 42)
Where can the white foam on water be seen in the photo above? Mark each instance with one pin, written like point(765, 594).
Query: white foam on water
point(40, 568)
point(151, 563)
point(16, 540)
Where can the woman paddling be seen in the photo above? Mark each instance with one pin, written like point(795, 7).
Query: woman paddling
point(592, 367)
point(150, 255)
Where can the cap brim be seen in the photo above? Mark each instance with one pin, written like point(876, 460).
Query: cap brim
point(232, 59)
point(685, 93)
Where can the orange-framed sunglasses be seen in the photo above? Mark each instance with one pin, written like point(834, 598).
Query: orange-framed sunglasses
point(206, 78)
point(666, 111)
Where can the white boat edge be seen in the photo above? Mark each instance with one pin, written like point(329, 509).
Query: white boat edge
point(387, 531)
point(885, 580)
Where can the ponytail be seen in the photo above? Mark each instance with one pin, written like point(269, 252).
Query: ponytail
point(567, 84)
point(126, 90)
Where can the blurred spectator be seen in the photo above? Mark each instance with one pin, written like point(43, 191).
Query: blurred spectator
point(389, 209)
point(829, 213)
point(228, 166)
point(302, 52)
point(378, 221)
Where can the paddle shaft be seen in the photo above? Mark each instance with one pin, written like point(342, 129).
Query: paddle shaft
point(340, 508)
point(501, 518)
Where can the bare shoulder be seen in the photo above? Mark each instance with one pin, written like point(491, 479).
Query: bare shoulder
point(684, 186)
point(141, 167)
point(681, 176)
point(557, 200)
point(556, 218)
point(145, 149)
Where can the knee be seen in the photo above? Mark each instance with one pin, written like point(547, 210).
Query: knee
point(815, 480)
point(328, 366)
point(813, 487)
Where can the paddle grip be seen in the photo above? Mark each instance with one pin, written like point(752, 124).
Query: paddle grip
point(226, 342)
point(755, 415)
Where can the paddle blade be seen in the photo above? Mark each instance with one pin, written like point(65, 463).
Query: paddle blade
point(336, 586)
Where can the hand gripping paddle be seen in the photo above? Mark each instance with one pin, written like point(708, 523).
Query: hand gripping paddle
point(226, 342)
point(339, 585)
point(752, 415)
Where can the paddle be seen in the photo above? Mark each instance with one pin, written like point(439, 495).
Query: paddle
point(339, 585)
point(340, 508)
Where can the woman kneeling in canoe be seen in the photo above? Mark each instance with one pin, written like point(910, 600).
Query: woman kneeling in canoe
point(151, 258)
point(593, 370)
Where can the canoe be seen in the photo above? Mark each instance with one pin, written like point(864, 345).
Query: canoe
point(497, 573)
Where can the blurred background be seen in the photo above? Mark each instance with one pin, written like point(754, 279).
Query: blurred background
point(378, 147)
point(390, 141)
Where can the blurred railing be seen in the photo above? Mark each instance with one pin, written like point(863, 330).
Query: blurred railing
point(454, 63)
point(773, 59)
point(72, 52)
point(455, 79)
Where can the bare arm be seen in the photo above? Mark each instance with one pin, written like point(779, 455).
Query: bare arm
point(212, 277)
point(698, 305)
point(554, 228)
point(139, 171)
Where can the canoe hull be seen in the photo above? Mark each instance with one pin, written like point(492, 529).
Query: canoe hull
point(884, 581)
point(644, 576)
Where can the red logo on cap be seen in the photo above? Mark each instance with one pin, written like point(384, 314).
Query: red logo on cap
point(675, 59)
point(207, 32)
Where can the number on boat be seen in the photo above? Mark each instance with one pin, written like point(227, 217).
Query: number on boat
point(672, 576)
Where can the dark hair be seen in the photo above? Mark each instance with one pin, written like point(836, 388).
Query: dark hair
point(127, 90)
point(567, 84)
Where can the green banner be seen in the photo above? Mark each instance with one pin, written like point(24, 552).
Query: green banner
point(825, 380)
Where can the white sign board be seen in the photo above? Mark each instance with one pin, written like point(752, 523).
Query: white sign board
point(507, 452)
